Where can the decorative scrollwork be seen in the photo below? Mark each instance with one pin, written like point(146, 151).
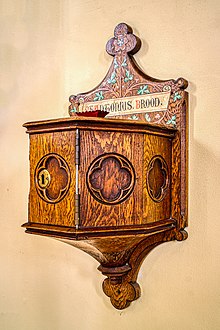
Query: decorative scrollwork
point(110, 178)
point(121, 294)
point(118, 287)
point(52, 178)
point(181, 235)
point(157, 178)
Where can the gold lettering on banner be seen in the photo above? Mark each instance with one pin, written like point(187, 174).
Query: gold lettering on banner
point(129, 105)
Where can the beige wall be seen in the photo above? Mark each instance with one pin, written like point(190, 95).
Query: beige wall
point(51, 49)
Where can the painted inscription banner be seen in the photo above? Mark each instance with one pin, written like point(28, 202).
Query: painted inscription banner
point(129, 105)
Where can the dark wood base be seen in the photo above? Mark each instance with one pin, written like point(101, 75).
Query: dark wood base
point(120, 255)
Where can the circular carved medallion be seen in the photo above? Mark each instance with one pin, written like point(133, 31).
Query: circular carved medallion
point(110, 178)
point(157, 178)
point(52, 178)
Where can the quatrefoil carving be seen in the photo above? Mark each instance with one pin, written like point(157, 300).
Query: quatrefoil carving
point(111, 178)
point(124, 41)
point(157, 178)
point(52, 178)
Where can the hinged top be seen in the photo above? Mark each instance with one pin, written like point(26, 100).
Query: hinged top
point(75, 122)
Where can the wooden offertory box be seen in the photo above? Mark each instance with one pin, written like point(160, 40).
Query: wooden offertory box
point(122, 169)
point(115, 187)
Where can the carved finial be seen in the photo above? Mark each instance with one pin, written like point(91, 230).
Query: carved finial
point(123, 42)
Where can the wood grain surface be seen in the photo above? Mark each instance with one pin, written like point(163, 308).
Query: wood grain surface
point(152, 210)
point(94, 144)
point(62, 213)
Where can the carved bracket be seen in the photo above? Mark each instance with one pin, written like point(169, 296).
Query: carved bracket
point(121, 266)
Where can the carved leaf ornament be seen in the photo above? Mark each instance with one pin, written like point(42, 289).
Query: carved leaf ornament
point(110, 178)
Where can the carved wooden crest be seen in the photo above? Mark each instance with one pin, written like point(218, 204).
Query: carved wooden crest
point(127, 92)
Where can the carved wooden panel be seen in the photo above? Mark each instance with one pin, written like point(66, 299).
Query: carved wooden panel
point(127, 192)
point(156, 192)
point(111, 178)
point(157, 178)
point(52, 178)
point(53, 152)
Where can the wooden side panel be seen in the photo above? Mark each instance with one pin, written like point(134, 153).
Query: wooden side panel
point(156, 178)
point(102, 208)
point(40, 210)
